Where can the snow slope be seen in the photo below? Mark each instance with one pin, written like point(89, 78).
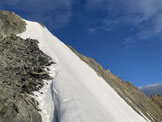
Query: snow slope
point(79, 94)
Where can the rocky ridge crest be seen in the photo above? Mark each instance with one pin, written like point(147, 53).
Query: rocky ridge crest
point(10, 23)
point(22, 71)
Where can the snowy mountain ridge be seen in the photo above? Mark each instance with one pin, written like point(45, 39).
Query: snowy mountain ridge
point(80, 95)
point(79, 89)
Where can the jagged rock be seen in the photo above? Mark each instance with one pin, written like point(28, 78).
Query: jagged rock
point(22, 72)
point(39, 73)
point(19, 111)
point(10, 23)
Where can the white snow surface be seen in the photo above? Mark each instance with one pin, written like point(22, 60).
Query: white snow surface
point(77, 93)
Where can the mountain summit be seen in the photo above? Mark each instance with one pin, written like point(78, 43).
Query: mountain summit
point(55, 83)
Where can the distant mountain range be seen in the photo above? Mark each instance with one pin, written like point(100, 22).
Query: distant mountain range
point(153, 89)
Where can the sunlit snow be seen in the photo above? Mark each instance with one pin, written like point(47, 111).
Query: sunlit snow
point(77, 93)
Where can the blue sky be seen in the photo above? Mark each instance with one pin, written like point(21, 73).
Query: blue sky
point(124, 36)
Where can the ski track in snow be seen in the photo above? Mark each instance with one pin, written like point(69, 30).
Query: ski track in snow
point(77, 93)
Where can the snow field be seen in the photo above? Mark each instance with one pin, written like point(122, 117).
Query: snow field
point(77, 93)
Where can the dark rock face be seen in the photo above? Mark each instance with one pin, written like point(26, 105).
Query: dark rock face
point(22, 72)
point(18, 109)
point(10, 23)
point(132, 95)
point(22, 66)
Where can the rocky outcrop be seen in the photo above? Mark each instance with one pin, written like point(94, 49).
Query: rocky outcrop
point(158, 100)
point(22, 72)
point(10, 23)
point(132, 95)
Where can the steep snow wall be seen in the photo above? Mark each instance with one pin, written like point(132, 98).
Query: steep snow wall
point(79, 94)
